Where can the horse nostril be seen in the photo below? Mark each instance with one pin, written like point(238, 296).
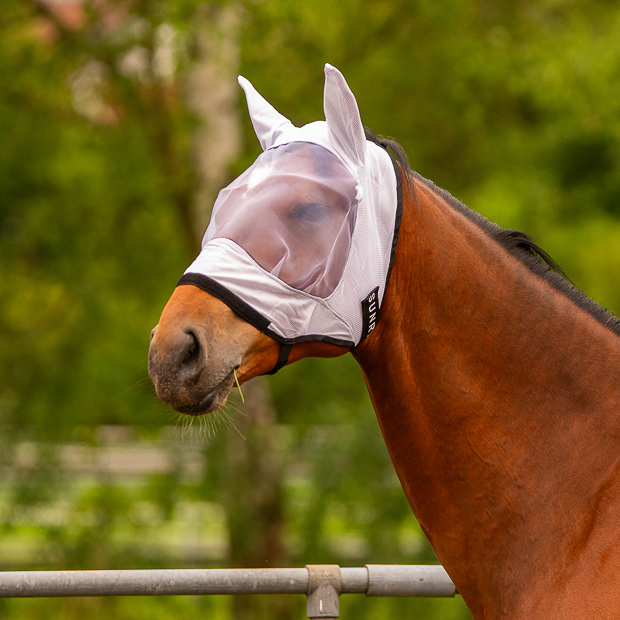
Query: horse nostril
point(191, 358)
point(177, 356)
point(153, 332)
point(193, 351)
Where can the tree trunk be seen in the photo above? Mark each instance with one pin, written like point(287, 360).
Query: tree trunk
point(253, 496)
point(252, 483)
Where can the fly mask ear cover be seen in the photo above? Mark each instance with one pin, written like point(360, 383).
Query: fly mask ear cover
point(297, 182)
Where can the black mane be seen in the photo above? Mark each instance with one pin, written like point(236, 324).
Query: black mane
point(520, 245)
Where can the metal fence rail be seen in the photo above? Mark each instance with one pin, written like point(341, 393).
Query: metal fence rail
point(322, 584)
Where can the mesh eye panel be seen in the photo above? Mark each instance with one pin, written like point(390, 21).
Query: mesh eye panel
point(293, 211)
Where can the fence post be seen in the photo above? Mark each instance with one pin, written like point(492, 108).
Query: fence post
point(324, 587)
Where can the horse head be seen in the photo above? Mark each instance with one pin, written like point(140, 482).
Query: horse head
point(294, 262)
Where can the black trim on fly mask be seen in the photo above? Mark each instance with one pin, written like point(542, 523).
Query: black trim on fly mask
point(399, 214)
point(285, 351)
point(244, 310)
point(255, 318)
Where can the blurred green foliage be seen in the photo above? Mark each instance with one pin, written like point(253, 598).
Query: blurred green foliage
point(511, 106)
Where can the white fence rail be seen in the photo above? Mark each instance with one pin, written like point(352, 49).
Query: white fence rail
point(322, 584)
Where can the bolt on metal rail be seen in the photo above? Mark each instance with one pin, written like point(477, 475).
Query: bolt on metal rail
point(321, 583)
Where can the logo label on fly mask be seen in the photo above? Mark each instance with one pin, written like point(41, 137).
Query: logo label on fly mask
point(370, 312)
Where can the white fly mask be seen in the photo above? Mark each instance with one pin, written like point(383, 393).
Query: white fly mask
point(302, 243)
point(293, 212)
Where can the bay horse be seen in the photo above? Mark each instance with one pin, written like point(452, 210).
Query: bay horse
point(496, 384)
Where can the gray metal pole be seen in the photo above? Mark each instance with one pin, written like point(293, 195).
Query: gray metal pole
point(324, 588)
point(404, 580)
point(153, 582)
point(322, 584)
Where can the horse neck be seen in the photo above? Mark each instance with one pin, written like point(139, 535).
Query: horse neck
point(495, 398)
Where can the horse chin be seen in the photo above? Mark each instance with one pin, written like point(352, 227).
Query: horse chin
point(203, 408)
point(200, 402)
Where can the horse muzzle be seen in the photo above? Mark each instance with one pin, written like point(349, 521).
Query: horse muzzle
point(185, 376)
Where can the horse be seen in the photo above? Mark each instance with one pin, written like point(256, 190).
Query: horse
point(496, 385)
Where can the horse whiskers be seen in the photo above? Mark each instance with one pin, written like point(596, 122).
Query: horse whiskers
point(236, 409)
point(206, 426)
point(212, 422)
point(224, 415)
point(186, 425)
point(181, 419)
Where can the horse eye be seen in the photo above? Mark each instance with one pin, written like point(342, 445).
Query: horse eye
point(311, 212)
